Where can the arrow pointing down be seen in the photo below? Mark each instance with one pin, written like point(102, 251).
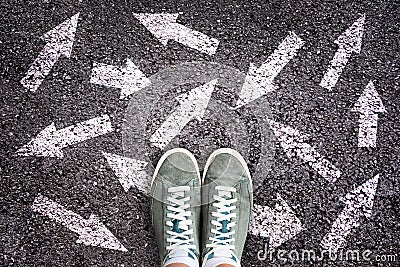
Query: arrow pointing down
point(59, 42)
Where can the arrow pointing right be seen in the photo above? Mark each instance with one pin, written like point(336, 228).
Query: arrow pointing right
point(359, 202)
point(279, 224)
point(91, 232)
point(369, 104)
point(192, 105)
point(349, 42)
point(59, 43)
point(129, 79)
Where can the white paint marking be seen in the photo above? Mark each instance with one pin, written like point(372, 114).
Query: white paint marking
point(279, 224)
point(130, 172)
point(349, 42)
point(358, 203)
point(59, 42)
point(192, 105)
point(50, 142)
point(129, 79)
point(259, 81)
point(164, 27)
point(368, 105)
point(91, 232)
point(293, 143)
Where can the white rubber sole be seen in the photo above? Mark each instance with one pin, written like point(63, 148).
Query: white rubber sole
point(169, 153)
point(229, 151)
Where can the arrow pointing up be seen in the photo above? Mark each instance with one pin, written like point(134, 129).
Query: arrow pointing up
point(192, 105)
point(50, 142)
point(358, 203)
point(259, 81)
point(294, 144)
point(369, 104)
point(59, 43)
point(164, 27)
point(91, 232)
point(129, 79)
point(131, 172)
point(279, 224)
point(349, 42)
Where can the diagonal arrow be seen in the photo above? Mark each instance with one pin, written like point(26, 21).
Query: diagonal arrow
point(259, 81)
point(130, 172)
point(279, 223)
point(129, 79)
point(192, 105)
point(294, 144)
point(164, 27)
point(349, 42)
point(358, 203)
point(50, 142)
point(59, 43)
point(369, 104)
point(91, 232)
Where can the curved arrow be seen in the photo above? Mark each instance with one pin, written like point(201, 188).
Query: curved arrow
point(164, 27)
point(59, 43)
point(349, 42)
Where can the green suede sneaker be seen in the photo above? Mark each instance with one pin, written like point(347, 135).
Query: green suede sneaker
point(176, 206)
point(227, 201)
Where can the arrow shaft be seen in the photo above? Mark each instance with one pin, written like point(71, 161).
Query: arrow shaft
point(83, 131)
point(192, 38)
point(41, 66)
point(111, 76)
point(275, 63)
point(58, 213)
point(338, 63)
point(368, 127)
point(171, 127)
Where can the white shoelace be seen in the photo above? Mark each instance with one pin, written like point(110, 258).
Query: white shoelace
point(224, 203)
point(177, 211)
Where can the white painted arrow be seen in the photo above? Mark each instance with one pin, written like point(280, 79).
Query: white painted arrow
point(279, 224)
point(130, 172)
point(50, 142)
point(91, 232)
point(192, 105)
point(164, 27)
point(294, 144)
point(259, 81)
point(358, 203)
point(369, 104)
point(59, 43)
point(349, 42)
point(129, 79)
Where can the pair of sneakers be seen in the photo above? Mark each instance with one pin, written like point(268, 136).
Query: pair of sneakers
point(201, 219)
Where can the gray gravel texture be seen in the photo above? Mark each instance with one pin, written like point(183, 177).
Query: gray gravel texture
point(248, 31)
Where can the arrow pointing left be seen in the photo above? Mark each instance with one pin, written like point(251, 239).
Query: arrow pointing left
point(92, 232)
point(59, 42)
point(192, 105)
point(50, 142)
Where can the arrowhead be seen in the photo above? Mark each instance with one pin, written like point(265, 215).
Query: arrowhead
point(158, 24)
point(279, 224)
point(43, 144)
point(130, 172)
point(96, 234)
point(63, 35)
point(137, 80)
point(351, 39)
point(369, 101)
point(362, 198)
point(196, 100)
point(255, 85)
